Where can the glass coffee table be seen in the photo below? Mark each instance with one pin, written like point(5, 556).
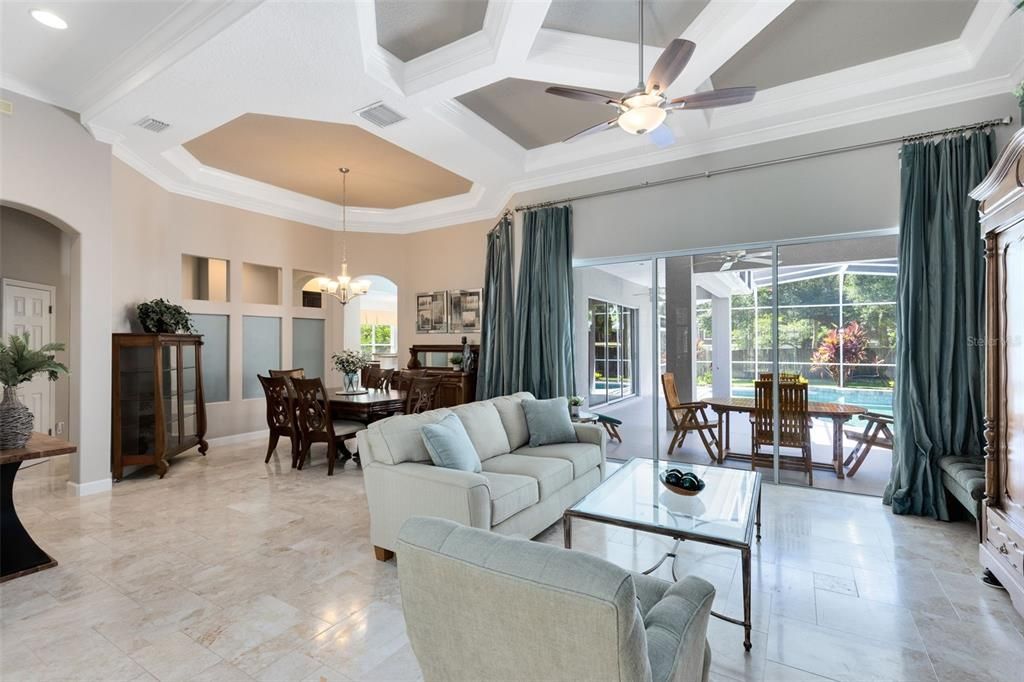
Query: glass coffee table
point(726, 513)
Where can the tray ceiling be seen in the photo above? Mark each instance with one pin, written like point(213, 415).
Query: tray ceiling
point(304, 156)
point(261, 98)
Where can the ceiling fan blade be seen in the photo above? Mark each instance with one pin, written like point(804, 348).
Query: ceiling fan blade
point(583, 95)
point(670, 64)
point(592, 129)
point(758, 261)
point(713, 98)
point(726, 266)
point(662, 136)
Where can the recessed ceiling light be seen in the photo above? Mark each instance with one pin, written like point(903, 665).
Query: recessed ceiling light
point(47, 18)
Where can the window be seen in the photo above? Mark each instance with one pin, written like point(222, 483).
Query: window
point(376, 338)
point(613, 351)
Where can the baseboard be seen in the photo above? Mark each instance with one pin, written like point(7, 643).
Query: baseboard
point(238, 438)
point(90, 488)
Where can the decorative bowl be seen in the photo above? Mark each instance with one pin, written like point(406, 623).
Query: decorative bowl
point(678, 489)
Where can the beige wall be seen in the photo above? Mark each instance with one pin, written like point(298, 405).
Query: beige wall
point(50, 166)
point(34, 250)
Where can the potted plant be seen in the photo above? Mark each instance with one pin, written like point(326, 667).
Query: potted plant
point(18, 364)
point(456, 362)
point(350, 363)
point(159, 316)
point(575, 403)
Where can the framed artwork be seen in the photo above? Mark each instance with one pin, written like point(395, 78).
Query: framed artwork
point(464, 311)
point(432, 312)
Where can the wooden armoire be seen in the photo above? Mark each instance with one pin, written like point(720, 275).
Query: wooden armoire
point(1002, 224)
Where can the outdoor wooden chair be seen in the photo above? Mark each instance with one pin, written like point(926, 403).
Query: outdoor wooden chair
point(794, 424)
point(877, 433)
point(377, 378)
point(422, 394)
point(280, 415)
point(316, 426)
point(784, 377)
point(687, 417)
point(611, 426)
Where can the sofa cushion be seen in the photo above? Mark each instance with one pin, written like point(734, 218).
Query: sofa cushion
point(449, 445)
point(397, 439)
point(485, 428)
point(551, 474)
point(510, 494)
point(510, 409)
point(584, 456)
point(548, 421)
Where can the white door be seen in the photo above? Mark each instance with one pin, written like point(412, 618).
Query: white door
point(28, 308)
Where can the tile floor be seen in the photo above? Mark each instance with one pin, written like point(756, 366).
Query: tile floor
point(230, 569)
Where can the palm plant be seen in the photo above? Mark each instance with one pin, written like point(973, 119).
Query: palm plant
point(19, 363)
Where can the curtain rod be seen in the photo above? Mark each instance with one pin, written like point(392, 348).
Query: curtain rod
point(1006, 120)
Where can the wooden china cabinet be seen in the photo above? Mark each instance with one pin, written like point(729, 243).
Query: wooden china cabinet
point(1002, 222)
point(158, 407)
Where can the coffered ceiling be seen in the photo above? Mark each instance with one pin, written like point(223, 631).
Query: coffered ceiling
point(261, 98)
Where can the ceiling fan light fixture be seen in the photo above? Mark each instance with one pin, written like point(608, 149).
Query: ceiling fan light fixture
point(643, 100)
point(639, 120)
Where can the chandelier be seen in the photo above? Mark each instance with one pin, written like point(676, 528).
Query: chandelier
point(344, 288)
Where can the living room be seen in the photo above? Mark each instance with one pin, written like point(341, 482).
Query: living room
point(188, 154)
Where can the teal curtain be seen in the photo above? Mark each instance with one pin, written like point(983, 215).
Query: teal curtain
point(940, 319)
point(494, 375)
point(544, 360)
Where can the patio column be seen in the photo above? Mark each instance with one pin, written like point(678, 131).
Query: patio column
point(721, 348)
point(680, 321)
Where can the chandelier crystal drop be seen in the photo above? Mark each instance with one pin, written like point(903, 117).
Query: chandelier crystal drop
point(343, 287)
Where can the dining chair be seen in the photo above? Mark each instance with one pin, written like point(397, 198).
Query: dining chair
point(877, 433)
point(281, 416)
point(288, 375)
point(402, 379)
point(794, 423)
point(422, 394)
point(316, 425)
point(784, 377)
point(687, 417)
point(377, 378)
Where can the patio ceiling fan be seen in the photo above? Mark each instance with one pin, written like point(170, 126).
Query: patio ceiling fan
point(643, 109)
point(731, 259)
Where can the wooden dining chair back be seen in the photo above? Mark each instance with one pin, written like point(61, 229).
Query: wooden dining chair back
point(687, 417)
point(377, 378)
point(784, 377)
point(281, 417)
point(316, 425)
point(402, 379)
point(794, 423)
point(422, 394)
point(288, 375)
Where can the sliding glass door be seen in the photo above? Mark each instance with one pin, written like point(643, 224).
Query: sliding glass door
point(612, 351)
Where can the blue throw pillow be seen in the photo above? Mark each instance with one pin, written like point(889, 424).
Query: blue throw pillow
point(449, 445)
point(548, 421)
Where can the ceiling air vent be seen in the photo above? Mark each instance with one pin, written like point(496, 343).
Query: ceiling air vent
point(153, 125)
point(380, 115)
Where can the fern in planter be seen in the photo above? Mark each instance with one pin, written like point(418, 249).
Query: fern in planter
point(163, 317)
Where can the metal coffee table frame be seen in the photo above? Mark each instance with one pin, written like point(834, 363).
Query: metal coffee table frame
point(679, 536)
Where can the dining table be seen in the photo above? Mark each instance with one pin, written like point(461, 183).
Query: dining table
point(837, 413)
point(368, 405)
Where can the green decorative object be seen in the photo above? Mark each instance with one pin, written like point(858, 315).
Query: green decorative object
point(350, 363)
point(159, 316)
point(18, 365)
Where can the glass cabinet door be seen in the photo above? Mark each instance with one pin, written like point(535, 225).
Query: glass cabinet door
point(138, 414)
point(189, 427)
point(170, 394)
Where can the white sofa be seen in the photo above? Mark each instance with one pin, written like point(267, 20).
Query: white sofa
point(521, 490)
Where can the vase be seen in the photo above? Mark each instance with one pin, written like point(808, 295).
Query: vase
point(574, 411)
point(15, 421)
point(351, 382)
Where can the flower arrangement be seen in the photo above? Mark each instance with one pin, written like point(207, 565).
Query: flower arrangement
point(350, 361)
point(575, 401)
point(159, 316)
point(19, 363)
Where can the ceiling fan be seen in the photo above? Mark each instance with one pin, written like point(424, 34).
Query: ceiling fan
point(643, 109)
point(731, 259)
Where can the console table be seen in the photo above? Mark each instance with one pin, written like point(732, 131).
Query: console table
point(19, 554)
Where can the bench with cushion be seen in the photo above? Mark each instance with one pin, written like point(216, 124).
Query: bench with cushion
point(964, 479)
point(521, 490)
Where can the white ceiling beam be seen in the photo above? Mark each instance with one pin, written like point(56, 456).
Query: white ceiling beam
point(187, 28)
